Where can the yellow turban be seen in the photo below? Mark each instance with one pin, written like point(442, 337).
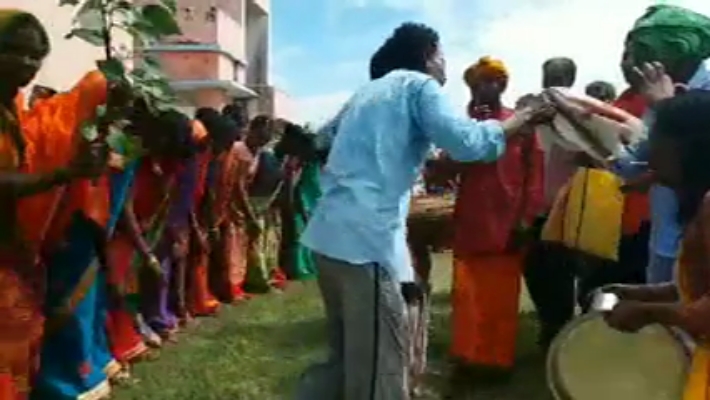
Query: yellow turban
point(486, 68)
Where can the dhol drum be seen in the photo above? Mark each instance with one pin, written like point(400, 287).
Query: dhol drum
point(591, 361)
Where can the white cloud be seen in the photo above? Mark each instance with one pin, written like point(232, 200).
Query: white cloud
point(523, 33)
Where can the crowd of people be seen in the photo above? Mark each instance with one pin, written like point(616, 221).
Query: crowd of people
point(105, 257)
point(520, 197)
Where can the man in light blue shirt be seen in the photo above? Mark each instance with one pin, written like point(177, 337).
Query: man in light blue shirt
point(358, 230)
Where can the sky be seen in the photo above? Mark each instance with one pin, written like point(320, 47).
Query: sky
point(321, 48)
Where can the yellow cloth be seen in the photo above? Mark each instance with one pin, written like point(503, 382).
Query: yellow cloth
point(698, 385)
point(587, 214)
point(485, 68)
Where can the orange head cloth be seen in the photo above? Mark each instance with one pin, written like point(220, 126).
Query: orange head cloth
point(199, 132)
point(487, 68)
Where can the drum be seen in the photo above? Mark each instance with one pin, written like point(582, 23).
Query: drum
point(591, 361)
point(430, 220)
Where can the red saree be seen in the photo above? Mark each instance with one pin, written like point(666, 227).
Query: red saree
point(126, 342)
point(493, 199)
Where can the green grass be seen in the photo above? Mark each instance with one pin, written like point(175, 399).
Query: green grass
point(257, 350)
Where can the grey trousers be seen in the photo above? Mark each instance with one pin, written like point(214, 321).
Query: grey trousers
point(367, 332)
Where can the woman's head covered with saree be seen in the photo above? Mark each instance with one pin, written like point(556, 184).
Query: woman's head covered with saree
point(676, 37)
point(24, 44)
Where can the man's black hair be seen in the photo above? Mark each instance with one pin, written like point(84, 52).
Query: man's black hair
point(601, 90)
point(559, 72)
point(685, 119)
point(409, 47)
point(378, 64)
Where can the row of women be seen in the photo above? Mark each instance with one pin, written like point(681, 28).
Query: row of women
point(600, 223)
point(103, 259)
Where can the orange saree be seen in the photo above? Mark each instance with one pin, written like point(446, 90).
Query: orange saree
point(494, 199)
point(200, 301)
point(49, 133)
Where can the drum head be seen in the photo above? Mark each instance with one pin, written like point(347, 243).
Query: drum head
point(590, 361)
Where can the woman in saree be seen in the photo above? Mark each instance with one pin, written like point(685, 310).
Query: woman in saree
point(226, 260)
point(129, 336)
point(257, 215)
point(679, 146)
point(300, 192)
point(155, 193)
point(38, 156)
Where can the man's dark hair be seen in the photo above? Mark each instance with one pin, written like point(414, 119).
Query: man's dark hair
point(601, 90)
point(685, 119)
point(221, 130)
point(559, 72)
point(378, 64)
point(409, 47)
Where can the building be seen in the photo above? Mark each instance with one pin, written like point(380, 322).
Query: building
point(222, 56)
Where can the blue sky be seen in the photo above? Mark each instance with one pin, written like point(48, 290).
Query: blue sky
point(321, 48)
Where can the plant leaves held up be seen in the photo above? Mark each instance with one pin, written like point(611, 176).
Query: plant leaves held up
point(96, 22)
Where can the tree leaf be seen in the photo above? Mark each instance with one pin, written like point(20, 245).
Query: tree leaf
point(89, 131)
point(113, 69)
point(160, 19)
point(170, 5)
point(90, 6)
point(91, 36)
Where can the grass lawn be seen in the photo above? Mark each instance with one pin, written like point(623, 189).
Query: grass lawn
point(257, 350)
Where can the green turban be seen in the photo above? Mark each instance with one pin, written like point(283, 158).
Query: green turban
point(671, 35)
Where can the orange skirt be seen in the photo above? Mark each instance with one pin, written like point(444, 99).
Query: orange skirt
point(200, 301)
point(486, 295)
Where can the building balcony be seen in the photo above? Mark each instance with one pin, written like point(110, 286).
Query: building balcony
point(264, 6)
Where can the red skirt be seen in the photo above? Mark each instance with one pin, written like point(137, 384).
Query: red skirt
point(126, 342)
point(21, 330)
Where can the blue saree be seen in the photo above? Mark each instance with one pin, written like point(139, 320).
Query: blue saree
point(76, 357)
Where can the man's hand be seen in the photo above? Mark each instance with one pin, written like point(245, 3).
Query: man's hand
point(653, 82)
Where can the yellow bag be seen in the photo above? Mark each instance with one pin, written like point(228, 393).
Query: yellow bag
point(587, 213)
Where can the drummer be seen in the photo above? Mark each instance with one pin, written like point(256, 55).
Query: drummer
point(493, 201)
point(678, 154)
